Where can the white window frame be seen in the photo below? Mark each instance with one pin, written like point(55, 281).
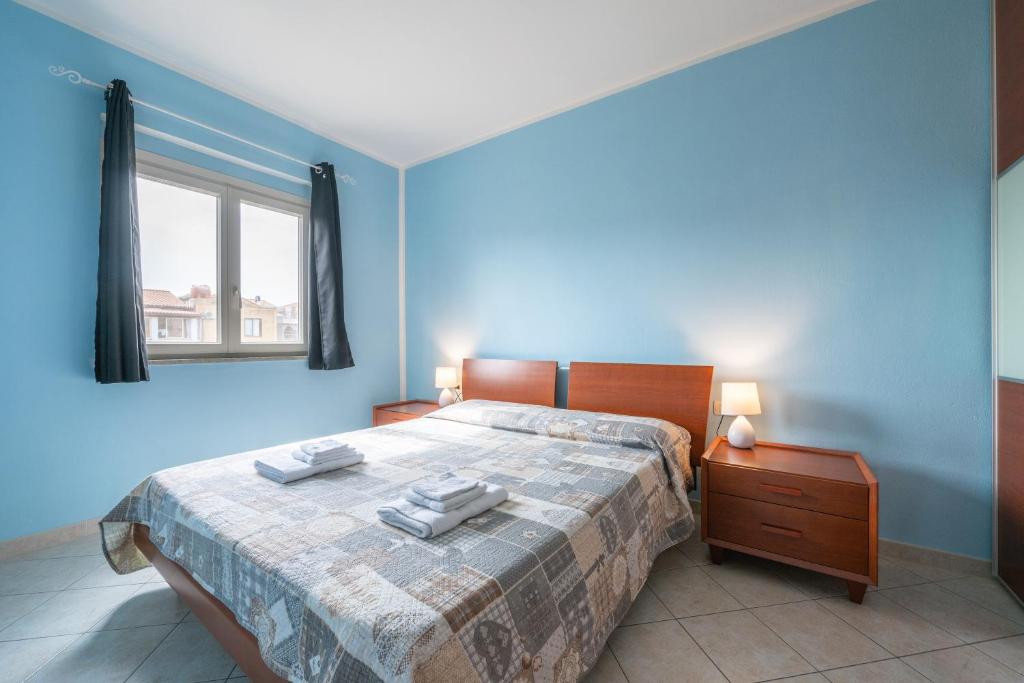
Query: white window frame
point(230, 193)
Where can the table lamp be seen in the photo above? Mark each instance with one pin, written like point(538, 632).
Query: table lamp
point(740, 399)
point(445, 379)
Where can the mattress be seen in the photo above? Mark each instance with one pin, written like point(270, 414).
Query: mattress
point(534, 586)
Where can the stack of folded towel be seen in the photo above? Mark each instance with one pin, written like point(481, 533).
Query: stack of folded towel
point(432, 507)
point(310, 458)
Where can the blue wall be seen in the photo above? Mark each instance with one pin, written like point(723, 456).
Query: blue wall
point(70, 449)
point(811, 212)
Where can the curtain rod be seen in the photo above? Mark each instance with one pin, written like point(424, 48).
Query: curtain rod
point(77, 78)
point(215, 153)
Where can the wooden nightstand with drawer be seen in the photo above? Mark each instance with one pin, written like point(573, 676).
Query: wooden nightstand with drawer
point(400, 411)
point(809, 507)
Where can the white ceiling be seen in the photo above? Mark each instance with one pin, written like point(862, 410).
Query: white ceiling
point(407, 80)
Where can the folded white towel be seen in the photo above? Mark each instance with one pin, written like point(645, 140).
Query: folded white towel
point(443, 489)
point(447, 504)
point(343, 459)
point(281, 467)
point(427, 523)
point(325, 450)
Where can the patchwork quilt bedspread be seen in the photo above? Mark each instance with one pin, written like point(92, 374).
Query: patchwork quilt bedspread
point(528, 591)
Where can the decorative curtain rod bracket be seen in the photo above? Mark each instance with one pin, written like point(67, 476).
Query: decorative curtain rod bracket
point(76, 78)
point(72, 75)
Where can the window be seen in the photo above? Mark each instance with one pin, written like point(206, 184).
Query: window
point(222, 266)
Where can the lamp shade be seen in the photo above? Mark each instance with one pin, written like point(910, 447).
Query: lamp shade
point(445, 378)
point(740, 398)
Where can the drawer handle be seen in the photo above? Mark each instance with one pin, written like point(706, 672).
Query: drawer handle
point(781, 530)
point(784, 490)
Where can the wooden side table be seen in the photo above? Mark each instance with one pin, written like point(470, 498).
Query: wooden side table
point(400, 411)
point(808, 507)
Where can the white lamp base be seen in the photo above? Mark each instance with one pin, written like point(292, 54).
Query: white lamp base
point(741, 433)
point(446, 398)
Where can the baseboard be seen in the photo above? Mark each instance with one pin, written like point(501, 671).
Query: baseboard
point(44, 539)
point(942, 559)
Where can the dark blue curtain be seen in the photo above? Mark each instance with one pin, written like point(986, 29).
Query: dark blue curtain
point(120, 325)
point(328, 339)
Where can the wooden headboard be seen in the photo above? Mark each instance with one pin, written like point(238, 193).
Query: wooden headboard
point(515, 381)
point(678, 393)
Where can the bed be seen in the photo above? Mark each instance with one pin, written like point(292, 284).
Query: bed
point(302, 582)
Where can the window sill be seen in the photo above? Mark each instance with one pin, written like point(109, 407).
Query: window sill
point(222, 359)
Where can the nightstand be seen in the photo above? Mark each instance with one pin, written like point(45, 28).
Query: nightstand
point(400, 411)
point(808, 507)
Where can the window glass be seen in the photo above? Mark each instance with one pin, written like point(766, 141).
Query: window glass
point(269, 242)
point(178, 228)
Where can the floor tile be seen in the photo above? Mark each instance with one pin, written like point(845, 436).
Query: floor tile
point(606, 670)
point(191, 653)
point(103, 656)
point(988, 592)
point(812, 584)
point(238, 673)
point(895, 628)
point(689, 592)
point(152, 605)
point(889, 671)
point(69, 612)
point(696, 550)
point(743, 648)
point(646, 608)
point(670, 559)
point(753, 585)
point(20, 658)
point(822, 638)
point(103, 576)
point(892, 575)
point(962, 664)
point(13, 607)
point(39, 576)
point(806, 678)
point(80, 547)
point(659, 652)
point(964, 619)
point(1008, 651)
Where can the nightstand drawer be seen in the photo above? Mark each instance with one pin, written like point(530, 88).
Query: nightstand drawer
point(828, 540)
point(808, 493)
point(386, 417)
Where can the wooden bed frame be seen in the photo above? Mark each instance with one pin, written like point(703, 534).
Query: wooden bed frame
point(680, 394)
point(210, 612)
point(514, 381)
point(677, 393)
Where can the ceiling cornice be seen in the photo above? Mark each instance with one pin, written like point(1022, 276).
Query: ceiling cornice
point(212, 81)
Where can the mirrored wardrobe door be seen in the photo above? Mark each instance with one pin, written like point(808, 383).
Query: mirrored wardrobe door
point(1009, 291)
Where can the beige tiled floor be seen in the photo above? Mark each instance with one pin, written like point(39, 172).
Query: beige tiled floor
point(64, 616)
point(754, 620)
